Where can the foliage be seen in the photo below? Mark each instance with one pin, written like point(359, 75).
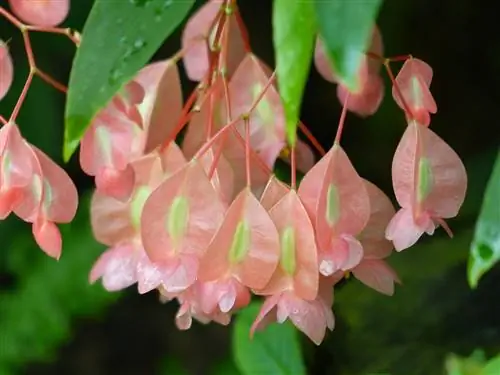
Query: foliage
point(38, 313)
point(485, 251)
point(135, 29)
point(275, 351)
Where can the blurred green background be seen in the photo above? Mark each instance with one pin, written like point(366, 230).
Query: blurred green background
point(53, 322)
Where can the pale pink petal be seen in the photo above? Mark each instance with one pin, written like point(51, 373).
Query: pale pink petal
point(48, 237)
point(343, 206)
point(162, 104)
point(448, 179)
point(199, 213)
point(111, 220)
point(273, 192)
point(403, 231)
point(248, 228)
point(6, 69)
point(289, 214)
point(376, 274)
point(194, 39)
point(367, 101)
point(375, 245)
point(40, 12)
point(117, 268)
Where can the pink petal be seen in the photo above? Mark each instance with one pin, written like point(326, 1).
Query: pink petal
point(290, 213)
point(404, 232)
point(307, 316)
point(273, 192)
point(256, 247)
point(375, 245)
point(162, 104)
point(343, 206)
point(344, 253)
point(117, 268)
point(6, 69)
point(376, 274)
point(48, 237)
point(414, 80)
point(449, 177)
point(194, 39)
point(201, 209)
point(40, 13)
point(367, 101)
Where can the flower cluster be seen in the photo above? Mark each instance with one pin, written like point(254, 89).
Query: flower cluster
point(204, 220)
point(32, 186)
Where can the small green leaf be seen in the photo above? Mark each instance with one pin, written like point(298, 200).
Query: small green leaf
point(345, 28)
point(118, 39)
point(275, 350)
point(492, 367)
point(294, 29)
point(485, 251)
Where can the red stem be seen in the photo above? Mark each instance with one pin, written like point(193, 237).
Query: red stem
point(398, 90)
point(294, 168)
point(247, 152)
point(311, 139)
point(340, 128)
point(20, 101)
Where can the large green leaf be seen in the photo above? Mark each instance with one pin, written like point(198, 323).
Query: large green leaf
point(485, 251)
point(492, 367)
point(345, 27)
point(294, 29)
point(275, 350)
point(118, 39)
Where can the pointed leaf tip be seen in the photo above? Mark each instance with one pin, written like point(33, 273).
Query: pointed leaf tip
point(294, 30)
point(485, 250)
point(124, 35)
point(345, 28)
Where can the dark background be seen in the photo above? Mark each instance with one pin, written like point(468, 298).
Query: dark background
point(52, 322)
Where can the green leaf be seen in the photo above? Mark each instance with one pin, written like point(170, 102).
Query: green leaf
point(38, 313)
point(492, 367)
point(275, 350)
point(485, 251)
point(118, 39)
point(346, 28)
point(294, 29)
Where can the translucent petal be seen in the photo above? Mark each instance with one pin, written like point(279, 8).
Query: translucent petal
point(290, 213)
point(375, 245)
point(6, 69)
point(203, 216)
point(376, 274)
point(40, 13)
point(250, 255)
point(343, 204)
point(162, 104)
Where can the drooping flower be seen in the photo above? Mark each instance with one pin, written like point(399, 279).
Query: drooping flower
point(49, 198)
point(243, 253)
point(337, 202)
point(296, 278)
point(117, 224)
point(367, 97)
point(16, 168)
point(162, 103)
point(179, 219)
point(310, 317)
point(430, 183)
point(6, 69)
point(40, 13)
point(198, 39)
point(109, 145)
point(413, 81)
